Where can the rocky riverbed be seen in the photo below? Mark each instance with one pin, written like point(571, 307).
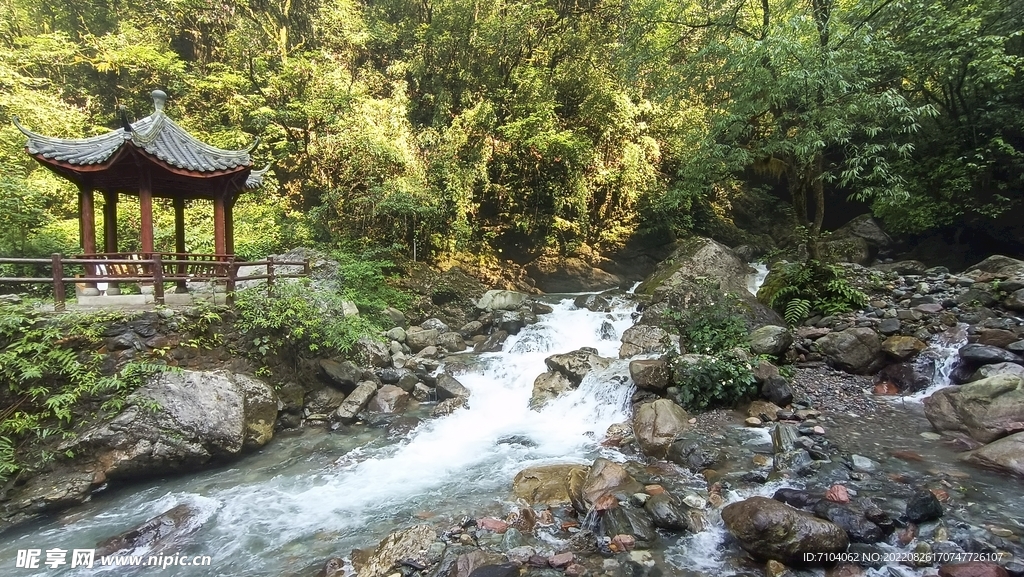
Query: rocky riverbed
point(541, 437)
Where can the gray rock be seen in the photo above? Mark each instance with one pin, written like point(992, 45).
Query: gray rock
point(344, 374)
point(778, 391)
point(448, 387)
point(408, 381)
point(630, 521)
point(492, 343)
point(666, 513)
point(889, 326)
point(976, 295)
point(180, 420)
point(987, 355)
point(155, 535)
point(356, 401)
point(1006, 454)
point(501, 300)
point(1015, 300)
point(421, 338)
point(656, 425)
point(855, 350)
point(371, 353)
point(859, 529)
point(902, 348)
point(769, 529)
point(449, 406)
point(770, 340)
point(604, 478)
point(397, 317)
point(862, 464)
point(577, 364)
point(593, 303)
point(650, 375)
point(406, 544)
point(435, 324)
point(986, 410)
point(698, 258)
point(451, 342)
point(987, 371)
point(643, 339)
point(923, 507)
point(1001, 265)
point(396, 334)
point(548, 386)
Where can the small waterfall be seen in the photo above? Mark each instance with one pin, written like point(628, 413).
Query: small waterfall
point(943, 351)
point(755, 280)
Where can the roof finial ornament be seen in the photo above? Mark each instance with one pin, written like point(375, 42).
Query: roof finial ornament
point(159, 98)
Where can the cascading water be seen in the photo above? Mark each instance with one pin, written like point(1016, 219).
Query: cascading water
point(755, 280)
point(304, 499)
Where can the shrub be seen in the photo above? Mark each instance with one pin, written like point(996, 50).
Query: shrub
point(796, 289)
point(711, 382)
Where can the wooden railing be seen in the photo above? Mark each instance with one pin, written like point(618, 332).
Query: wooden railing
point(156, 268)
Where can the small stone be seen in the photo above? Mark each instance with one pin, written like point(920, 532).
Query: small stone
point(931, 436)
point(653, 490)
point(923, 506)
point(862, 464)
point(775, 569)
point(560, 560)
point(753, 422)
point(819, 430)
point(492, 524)
point(622, 543)
point(576, 570)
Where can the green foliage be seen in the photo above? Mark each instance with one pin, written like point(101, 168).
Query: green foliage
point(297, 320)
point(797, 289)
point(49, 371)
point(719, 381)
point(709, 323)
point(363, 276)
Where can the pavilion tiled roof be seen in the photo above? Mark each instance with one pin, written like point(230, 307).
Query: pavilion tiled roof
point(156, 135)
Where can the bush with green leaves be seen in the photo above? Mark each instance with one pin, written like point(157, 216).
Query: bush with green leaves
point(709, 322)
point(295, 320)
point(797, 289)
point(711, 382)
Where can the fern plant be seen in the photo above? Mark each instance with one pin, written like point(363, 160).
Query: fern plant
point(795, 290)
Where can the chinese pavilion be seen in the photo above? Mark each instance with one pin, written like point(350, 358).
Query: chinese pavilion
point(152, 157)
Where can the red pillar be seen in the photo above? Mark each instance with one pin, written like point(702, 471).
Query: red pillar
point(109, 221)
point(229, 225)
point(179, 242)
point(87, 219)
point(146, 206)
point(87, 224)
point(220, 243)
point(110, 232)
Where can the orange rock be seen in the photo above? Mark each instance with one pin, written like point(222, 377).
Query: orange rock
point(907, 534)
point(623, 543)
point(492, 524)
point(566, 525)
point(653, 490)
point(885, 388)
point(561, 560)
point(907, 456)
point(838, 494)
point(941, 495)
point(605, 502)
point(972, 569)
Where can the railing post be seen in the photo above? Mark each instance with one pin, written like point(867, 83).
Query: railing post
point(158, 278)
point(305, 267)
point(58, 282)
point(270, 275)
point(229, 298)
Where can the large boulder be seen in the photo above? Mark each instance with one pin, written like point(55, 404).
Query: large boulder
point(160, 533)
point(643, 339)
point(558, 274)
point(854, 350)
point(501, 300)
point(418, 338)
point(406, 545)
point(1006, 454)
point(998, 264)
point(770, 340)
point(979, 354)
point(606, 478)
point(769, 529)
point(343, 374)
point(448, 387)
point(649, 374)
point(549, 386)
point(180, 420)
point(175, 422)
point(856, 241)
point(698, 258)
point(902, 348)
point(656, 425)
point(577, 364)
point(389, 399)
point(368, 352)
point(544, 484)
point(986, 410)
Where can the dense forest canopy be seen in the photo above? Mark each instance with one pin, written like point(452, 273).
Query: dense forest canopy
point(463, 126)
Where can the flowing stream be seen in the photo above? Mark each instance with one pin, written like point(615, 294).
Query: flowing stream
point(312, 495)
